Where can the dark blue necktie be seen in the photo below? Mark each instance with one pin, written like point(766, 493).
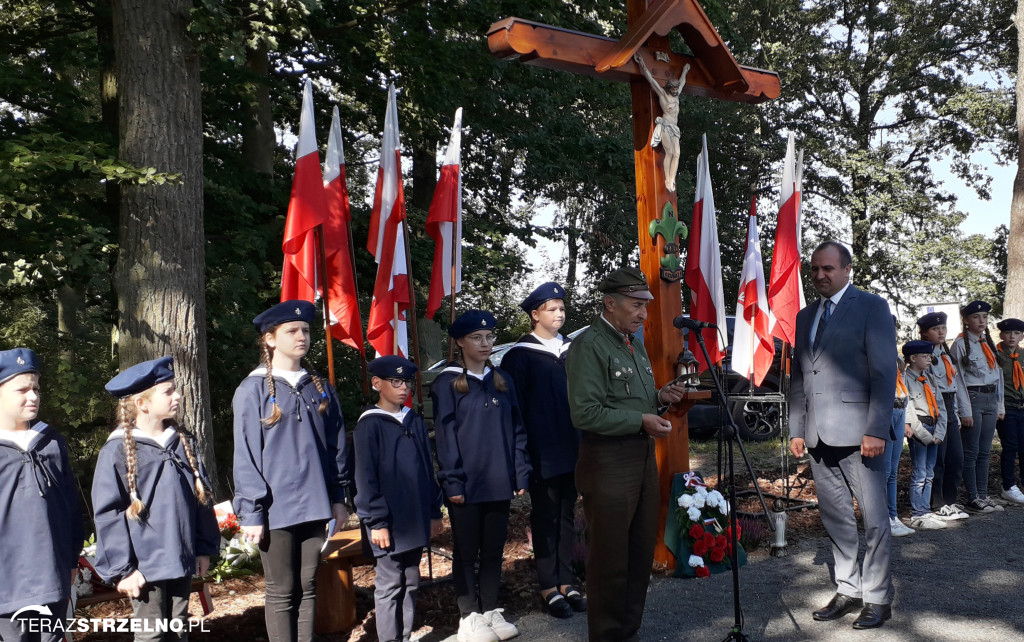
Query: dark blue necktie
point(822, 322)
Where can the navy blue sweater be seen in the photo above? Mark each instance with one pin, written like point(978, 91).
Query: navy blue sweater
point(172, 530)
point(481, 440)
point(289, 473)
point(395, 481)
point(539, 376)
point(40, 521)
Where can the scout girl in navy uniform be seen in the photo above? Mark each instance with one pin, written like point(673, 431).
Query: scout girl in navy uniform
point(155, 526)
point(1011, 426)
point(399, 501)
point(290, 467)
point(536, 364)
point(40, 518)
point(975, 353)
point(949, 383)
point(482, 461)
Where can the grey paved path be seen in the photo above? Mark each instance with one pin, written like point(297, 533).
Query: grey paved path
point(963, 583)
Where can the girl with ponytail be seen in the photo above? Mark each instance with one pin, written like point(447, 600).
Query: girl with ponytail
point(975, 354)
point(482, 464)
point(155, 526)
point(291, 467)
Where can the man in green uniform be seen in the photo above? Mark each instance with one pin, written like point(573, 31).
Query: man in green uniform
point(614, 402)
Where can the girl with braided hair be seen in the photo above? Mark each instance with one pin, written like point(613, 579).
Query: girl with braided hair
point(291, 467)
point(482, 464)
point(155, 525)
point(975, 354)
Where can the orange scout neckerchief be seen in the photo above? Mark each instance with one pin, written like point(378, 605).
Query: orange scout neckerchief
point(933, 408)
point(1018, 372)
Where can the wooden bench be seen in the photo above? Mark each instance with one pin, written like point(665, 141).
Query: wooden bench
point(335, 591)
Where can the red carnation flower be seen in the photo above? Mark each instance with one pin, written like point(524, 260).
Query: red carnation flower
point(696, 532)
point(709, 539)
point(700, 548)
point(717, 554)
point(702, 571)
point(720, 541)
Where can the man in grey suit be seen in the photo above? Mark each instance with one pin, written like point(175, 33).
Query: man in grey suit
point(843, 385)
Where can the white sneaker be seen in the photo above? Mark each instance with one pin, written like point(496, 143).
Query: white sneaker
point(951, 512)
point(474, 628)
point(928, 522)
point(1013, 495)
point(504, 629)
point(899, 529)
point(996, 507)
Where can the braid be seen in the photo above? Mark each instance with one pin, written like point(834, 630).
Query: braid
point(200, 487)
point(461, 383)
point(266, 359)
point(499, 381)
point(127, 423)
point(319, 383)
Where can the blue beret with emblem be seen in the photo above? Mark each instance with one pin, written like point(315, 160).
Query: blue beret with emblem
point(975, 307)
point(392, 367)
point(544, 292)
point(918, 347)
point(930, 320)
point(17, 361)
point(142, 376)
point(1010, 325)
point(471, 321)
point(293, 310)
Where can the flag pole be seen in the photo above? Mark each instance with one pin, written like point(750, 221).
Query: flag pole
point(326, 301)
point(415, 357)
point(451, 316)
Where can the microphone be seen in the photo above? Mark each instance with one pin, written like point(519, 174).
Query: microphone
point(692, 324)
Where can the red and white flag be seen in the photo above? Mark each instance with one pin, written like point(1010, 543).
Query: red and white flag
point(341, 278)
point(785, 291)
point(704, 268)
point(387, 329)
point(444, 223)
point(306, 209)
point(752, 343)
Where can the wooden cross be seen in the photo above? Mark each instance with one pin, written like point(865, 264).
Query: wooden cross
point(714, 73)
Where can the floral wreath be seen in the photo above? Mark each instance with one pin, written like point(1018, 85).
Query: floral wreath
point(701, 514)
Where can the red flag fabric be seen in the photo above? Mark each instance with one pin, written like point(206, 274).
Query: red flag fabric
point(306, 209)
point(704, 268)
point(785, 291)
point(444, 223)
point(341, 278)
point(752, 344)
point(386, 330)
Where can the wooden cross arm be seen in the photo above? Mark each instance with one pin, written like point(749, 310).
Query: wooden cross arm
point(577, 52)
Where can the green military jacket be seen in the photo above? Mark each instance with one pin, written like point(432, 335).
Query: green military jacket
point(609, 388)
point(1006, 363)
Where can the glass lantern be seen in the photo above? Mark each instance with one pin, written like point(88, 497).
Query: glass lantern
point(688, 370)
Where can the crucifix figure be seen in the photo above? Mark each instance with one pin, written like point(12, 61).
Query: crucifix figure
point(714, 73)
point(666, 132)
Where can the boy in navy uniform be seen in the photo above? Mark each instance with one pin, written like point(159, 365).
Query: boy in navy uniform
point(1011, 426)
point(536, 364)
point(398, 499)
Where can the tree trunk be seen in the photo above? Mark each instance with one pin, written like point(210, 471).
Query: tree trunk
point(69, 304)
point(1013, 304)
point(108, 98)
point(160, 275)
point(258, 138)
point(424, 172)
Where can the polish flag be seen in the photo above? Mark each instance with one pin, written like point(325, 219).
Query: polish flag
point(306, 210)
point(704, 268)
point(785, 291)
point(388, 329)
point(752, 344)
point(341, 279)
point(444, 223)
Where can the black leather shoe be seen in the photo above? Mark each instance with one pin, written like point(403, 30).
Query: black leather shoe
point(872, 616)
point(575, 600)
point(837, 607)
point(556, 605)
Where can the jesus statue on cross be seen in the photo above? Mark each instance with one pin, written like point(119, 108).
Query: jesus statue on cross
point(666, 131)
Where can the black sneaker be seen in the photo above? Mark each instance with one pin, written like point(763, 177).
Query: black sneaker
point(978, 505)
point(557, 606)
point(577, 601)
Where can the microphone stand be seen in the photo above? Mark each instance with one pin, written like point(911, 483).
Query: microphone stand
point(731, 432)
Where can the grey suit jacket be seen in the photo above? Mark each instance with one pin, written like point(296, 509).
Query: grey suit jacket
point(845, 389)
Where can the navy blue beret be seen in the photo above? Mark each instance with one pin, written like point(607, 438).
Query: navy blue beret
point(283, 312)
point(392, 367)
point(1009, 325)
point(471, 321)
point(142, 376)
point(930, 320)
point(544, 292)
point(975, 307)
point(17, 361)
point(918, 347)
